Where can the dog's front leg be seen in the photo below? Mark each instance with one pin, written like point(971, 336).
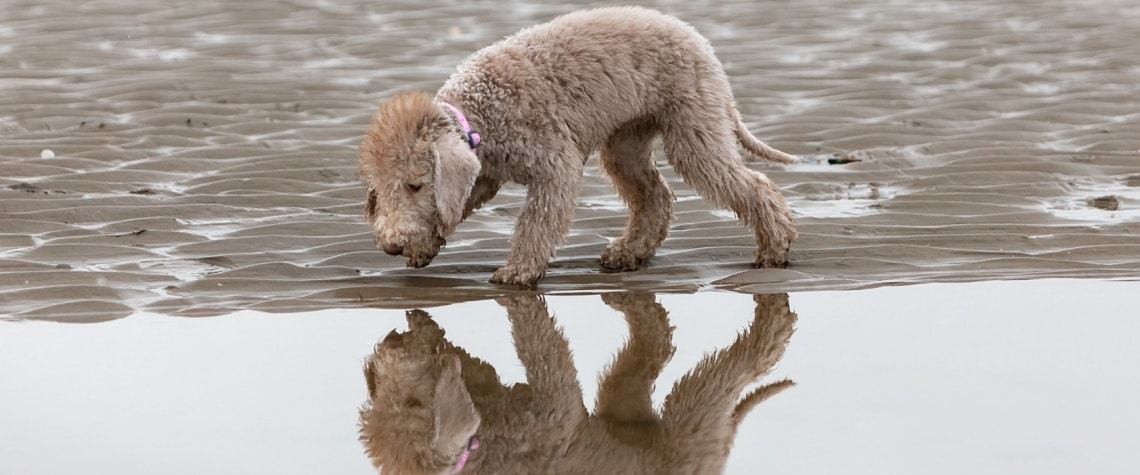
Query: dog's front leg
point(543, 223)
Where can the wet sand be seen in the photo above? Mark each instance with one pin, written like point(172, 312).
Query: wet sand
point(197, 158)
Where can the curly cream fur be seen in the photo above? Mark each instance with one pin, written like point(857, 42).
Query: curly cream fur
point(611, 80)
point(542, 426)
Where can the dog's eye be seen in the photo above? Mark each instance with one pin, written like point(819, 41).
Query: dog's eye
point(414, 187)
point(413, 402)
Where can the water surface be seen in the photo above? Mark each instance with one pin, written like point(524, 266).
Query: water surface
point(987, 378)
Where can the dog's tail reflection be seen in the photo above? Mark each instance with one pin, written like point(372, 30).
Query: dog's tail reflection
point(542, 426)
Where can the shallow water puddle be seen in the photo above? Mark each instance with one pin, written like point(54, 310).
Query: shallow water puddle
point(1099, 200)
point(987, 377)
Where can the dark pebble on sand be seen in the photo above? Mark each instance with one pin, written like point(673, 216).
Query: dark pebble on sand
point(1108, 203)
point(28, 187)
point(842, 160)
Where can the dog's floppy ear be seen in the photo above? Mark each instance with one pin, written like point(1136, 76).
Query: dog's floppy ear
point(453, 413)
point(456, 168)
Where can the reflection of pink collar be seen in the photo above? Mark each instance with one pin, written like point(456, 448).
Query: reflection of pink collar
point(472, 445)
point(473, 137)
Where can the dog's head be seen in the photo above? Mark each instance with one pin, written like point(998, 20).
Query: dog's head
point(419, 171)
point(419, 417)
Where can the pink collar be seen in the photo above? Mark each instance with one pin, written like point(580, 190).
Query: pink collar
point(472, 445)
point(473, 137)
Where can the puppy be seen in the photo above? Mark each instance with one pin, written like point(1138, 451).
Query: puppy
point(531, 108)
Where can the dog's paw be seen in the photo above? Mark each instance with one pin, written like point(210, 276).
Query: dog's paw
point(621, 258)
point(774, 246)
point(769, 262)
point(773, 257)
point(517, 276)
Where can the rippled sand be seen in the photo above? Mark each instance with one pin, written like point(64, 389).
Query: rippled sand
point(195, 158)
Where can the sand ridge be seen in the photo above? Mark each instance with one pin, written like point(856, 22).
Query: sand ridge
point(203, 154)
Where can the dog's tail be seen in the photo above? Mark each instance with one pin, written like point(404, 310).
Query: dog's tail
point(757, 148)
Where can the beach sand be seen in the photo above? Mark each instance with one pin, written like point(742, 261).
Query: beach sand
point(197, 158)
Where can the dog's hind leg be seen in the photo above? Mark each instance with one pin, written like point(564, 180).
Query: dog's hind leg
point(627, 157)
point(701, 146)
point(625, 388)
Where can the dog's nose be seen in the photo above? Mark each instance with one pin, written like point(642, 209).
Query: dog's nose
point(393, 249)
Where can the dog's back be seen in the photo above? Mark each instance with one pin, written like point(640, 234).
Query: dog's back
point(586, 73)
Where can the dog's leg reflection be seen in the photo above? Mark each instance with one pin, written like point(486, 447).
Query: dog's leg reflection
point(703, 410)
point(625, 388)
point(551, 376)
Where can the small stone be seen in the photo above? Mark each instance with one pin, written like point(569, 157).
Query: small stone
point(1107, 203)
point(842, 160)
point(47, 153)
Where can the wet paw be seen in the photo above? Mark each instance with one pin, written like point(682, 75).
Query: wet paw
point(621, 258)
point(773, 248)
point(769, 262)
point(517, 276)
point(775, 257)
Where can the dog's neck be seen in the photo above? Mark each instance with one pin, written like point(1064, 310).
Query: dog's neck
point(473, 137)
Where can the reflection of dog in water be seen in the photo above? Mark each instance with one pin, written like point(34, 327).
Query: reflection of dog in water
point(435, 409)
